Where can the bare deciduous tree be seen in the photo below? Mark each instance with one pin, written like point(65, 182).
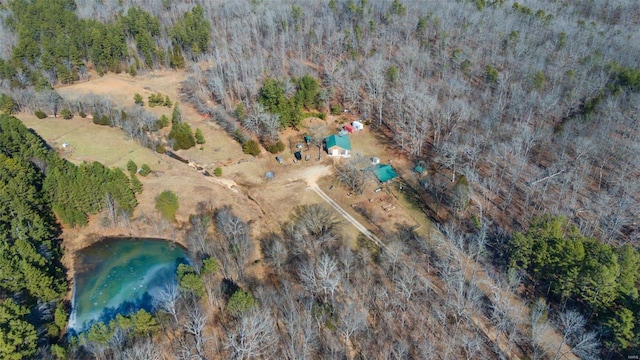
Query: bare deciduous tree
point(167, 298)
point(235, 243)
point(582, 343)
point(274, 251)
point(539, 325)
point(142, 350)
point(194, 324)
point(355, 173)
point(352, 320)
point(253, 336)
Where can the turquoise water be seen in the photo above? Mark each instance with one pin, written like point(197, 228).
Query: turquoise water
point(120, 276)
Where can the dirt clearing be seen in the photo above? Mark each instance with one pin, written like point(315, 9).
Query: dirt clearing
point(265, 204)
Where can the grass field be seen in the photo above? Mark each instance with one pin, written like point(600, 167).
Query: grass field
point(219, 149)
point(90, 142)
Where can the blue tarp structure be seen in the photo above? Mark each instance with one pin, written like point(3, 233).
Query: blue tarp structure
point(384, 172)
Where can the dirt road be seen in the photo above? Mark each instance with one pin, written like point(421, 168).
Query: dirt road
point(347, 216)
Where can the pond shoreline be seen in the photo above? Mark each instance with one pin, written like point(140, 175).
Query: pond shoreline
point(76, 239)
point(120, 275)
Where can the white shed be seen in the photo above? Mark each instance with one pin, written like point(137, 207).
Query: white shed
point(357, 125)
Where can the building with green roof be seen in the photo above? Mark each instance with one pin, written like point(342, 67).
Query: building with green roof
point(384, 172)
point(338, 145)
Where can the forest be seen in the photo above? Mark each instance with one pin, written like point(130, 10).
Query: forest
point(38, 189)
point(526, 114)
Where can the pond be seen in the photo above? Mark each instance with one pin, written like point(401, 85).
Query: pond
point(120, 276)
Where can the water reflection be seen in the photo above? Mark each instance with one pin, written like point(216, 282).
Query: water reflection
point(120, 276)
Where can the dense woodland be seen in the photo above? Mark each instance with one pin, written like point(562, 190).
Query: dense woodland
point(526, 114)
point(36, 188)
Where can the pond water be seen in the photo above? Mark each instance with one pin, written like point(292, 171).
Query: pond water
point(120, 276)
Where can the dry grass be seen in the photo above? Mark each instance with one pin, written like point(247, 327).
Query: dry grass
point(89, 142)
point(265, 204)
point(219, 149)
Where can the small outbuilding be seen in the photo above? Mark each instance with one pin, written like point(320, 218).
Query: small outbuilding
point(298, 155)
point(279, 159)
point(269, 175)
point(348, 128)
point(357, 125)
point(384, 172)
point(337, 145)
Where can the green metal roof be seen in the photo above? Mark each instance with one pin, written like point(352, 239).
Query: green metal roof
point(384, 172)
point(340, 141)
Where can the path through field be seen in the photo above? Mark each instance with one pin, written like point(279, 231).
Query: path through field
point(347, 216)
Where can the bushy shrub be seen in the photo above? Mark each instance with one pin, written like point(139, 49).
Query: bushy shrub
point(156, 99)
point(145, 170)
point(276, 148)
point(136, 184)
point(167, 102)
point(199, 137)
point(40, 114)
point(66, 114)
point(240, 136)
point(164, 121)
point(273, 148)
point(217, 171)
point(101, 120)
point(132, 168)
point(137, 99)
point(183, 136)
point(251, 147)
point(167, 204)
point(336, 109)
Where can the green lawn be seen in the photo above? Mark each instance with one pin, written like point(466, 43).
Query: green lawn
point(90, 142)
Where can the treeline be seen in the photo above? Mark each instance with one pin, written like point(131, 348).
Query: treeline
point(600, 279)
point(32, 279)
point(138, 124)
point(79, 191)
point(73, 191)
point(55, 46)
point(37, 189)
